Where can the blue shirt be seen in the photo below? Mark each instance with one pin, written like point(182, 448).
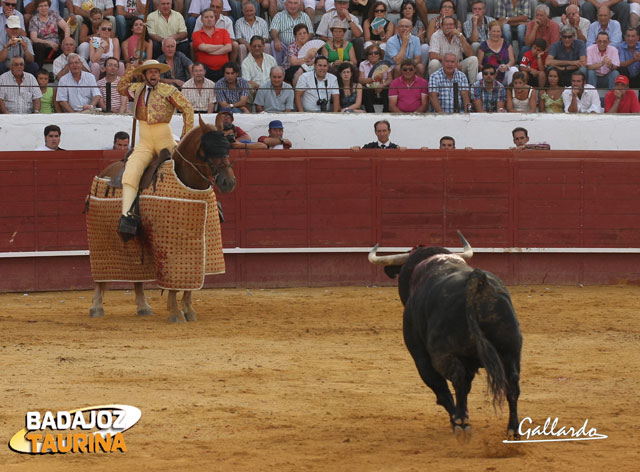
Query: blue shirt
point(440, 83)
point(625, 55)
point(559, 52)
point(395, 44)
point(613, 30)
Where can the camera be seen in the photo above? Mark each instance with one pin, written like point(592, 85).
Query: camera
point(322, 103)
point(231, 136)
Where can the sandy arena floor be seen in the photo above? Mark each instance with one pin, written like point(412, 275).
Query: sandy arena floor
point(314, 379)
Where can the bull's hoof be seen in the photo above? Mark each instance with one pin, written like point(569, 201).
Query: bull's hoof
point(145, 312)
point(462, 433)
point(190, 316)
point(96, 312)
point(512, 435)
point(177, 318)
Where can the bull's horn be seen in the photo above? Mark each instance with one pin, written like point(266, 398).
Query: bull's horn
point(395, 260)
point(468, 251)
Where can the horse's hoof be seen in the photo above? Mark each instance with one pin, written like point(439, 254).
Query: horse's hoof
point(96, 312)
point(190, 317)
point(145, 312)
point(179, 318)
point(462, 433)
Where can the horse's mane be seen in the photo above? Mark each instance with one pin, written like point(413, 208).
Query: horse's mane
point(195, 134)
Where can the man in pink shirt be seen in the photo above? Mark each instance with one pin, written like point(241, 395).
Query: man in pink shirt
point(602, 62)
point(621, 99)
point(408, 93)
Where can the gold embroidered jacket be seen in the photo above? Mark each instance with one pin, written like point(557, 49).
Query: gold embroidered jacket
point(163, 100)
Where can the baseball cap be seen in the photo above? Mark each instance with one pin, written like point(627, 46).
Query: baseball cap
point(276, 124)
point(226, 110)
point(13, 22)
point(622, 79)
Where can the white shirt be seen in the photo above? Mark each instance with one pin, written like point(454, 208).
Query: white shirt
point(61, 62)
point(43, 148)
point(588, 103)
point(251, 70)
point(325, 89)
point(197, 6)
point(19, 98)
point(68, 90)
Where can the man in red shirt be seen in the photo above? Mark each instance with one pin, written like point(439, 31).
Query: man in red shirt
point(621, 99)
point(212, 46)
point(408, 93)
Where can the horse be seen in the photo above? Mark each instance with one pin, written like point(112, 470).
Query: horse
point(197, 168)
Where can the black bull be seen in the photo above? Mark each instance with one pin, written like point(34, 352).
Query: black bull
point(456, 320)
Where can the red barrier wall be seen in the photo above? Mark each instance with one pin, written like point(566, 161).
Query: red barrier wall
point(338, 198)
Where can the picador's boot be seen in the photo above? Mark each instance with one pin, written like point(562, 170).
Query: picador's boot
point(129, 225)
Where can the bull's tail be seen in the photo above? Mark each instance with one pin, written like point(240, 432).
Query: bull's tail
point(479, 292)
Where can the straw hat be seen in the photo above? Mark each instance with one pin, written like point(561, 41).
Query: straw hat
point(151, 64)
point(337, 23)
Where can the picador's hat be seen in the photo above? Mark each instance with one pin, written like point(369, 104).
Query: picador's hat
point(151, 64)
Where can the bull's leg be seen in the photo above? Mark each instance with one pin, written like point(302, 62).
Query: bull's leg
point(175, 314)
point(141, 300)
point(512, 368)
point(187, 307)
point(96, 310)
point(461, 379)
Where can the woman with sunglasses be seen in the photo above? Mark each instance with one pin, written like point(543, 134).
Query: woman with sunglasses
point(44, 31)
point(447, 8)
point(376, 88)
point(131, 45)
point(103, 47)
point(87, 30)
point(383, 30)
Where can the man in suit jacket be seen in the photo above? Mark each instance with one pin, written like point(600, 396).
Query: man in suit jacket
point(383, 130)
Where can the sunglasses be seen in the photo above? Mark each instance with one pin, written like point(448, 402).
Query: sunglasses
point(564, 36)
point(380, 11)
point(486, 72)
point(105, 29)
point(408, 69)
point(12, 5)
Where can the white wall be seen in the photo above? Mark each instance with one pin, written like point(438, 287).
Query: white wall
point(331, 131)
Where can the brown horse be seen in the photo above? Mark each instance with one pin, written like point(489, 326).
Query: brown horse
point(198, 165)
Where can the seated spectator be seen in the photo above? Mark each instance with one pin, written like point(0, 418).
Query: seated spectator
point(581, 97)
point(282, 26)
point(447, 8)
point(629, 54)
point(275, 139)
point(77, 91)
point(232, 91)
point(9, 8)
point(48, 100)
point(404, 45)
point(568, 55)
point(409, 93)
point(292, 64)
point(350, 88)
point(212, 46)
point(112, 101)
point(120, 141)
point(514, 17)
point(621, 99)
point(60, 65)
point(488, 95)
point(350, 23)
point(167, 23)
point(19, 90)
point(196, 7)
point(521, 98)
point(383, 30)
point(580, 24)
point(533, 63)
point(180, 65)
point(551, 97)
point(441, 90)
point(476, 28)
point(337, 50)
point(200, 91)
point(602, 62)
point(606, 24)
point(450, 40)
point(51, 139)
point(317, 90)
point(497, 52)
point(102, 48)
point(257, 66)
point(131, 45)
point(13, 44)
point(88, 30)
point(43, 31)
point(274, 95)
point(408, 11)
point(382, 129)
point(221, 22)
point(249, 26)
point(127, 12)
point(375, 88)
point(541, 27)
point(81, 11)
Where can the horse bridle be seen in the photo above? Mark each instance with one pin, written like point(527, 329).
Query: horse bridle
point(214, 170)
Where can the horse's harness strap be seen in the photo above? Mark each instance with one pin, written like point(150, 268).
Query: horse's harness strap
point(177, 151)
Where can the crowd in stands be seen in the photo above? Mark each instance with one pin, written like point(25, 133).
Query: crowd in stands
point(248, 56)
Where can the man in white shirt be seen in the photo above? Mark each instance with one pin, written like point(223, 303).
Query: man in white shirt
point(77, 90)
point(51, 139)
point(581, 97)
point(19, 90)
point(60, 65)
point(317, 90)
point(257, 66)
point(350, 22)
point(200, 91)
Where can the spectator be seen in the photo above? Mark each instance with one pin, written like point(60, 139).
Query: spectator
point(19, 91)
point(497, 52)
point(350, 23)
point(591, 10)
point(621, 99)
point(476, 28)
point(115, 102)
point(521, 98)
point(282, 26)
point(602, 62)
point(275, 139)
point(196, 7)
point(127, 12)
point(376, 87)
point(164, 23)
point(121, 141)
point(441, 92)
point(131, 45)
point(48, 100)
point(404, 45)
point(249, 26)
point(408, 11)
point(606, 24)
point(450, 40)
point(232, 91)
point(257, 66)
point(88, 30)
point(51, 139)
point(382, 129)
point(292, 64)
point(350, 88)
point(212, 46)
point(275, 95)
point(105, 7)
point(337, 50)
point(447, 8)
point(9, 9)
point(180, 65)
point(573, 18)
point(77, 90)
point(222, 21)
point(43, 31)
point(103, 48)
point(238, 138)
point(408, 93)
point(634, 14)
point(541, 27)
point(629, 54)
point(581, 97)
point(384, 28)
point(488, 95)
point(551, 98)
point(60, 65)
point(447, 142)
point(520, 138)
point(533, 63)
point(317, 90)
point(514, 19)
point(200, 91)
point(568, 55)
point(13, 44)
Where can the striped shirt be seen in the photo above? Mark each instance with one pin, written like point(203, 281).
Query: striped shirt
point(200, 98)
point(284, 24)
point(116, 98)
point(19, 98)
point(245, 31)
point(505, 8)
point(440, 83)
point(231, 95)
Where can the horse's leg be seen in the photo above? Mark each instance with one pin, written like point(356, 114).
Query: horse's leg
point(175, 314)
point(96, 310)
point(143, 307)
point(187, 307)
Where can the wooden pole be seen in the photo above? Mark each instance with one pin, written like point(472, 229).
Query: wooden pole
point(141, 45)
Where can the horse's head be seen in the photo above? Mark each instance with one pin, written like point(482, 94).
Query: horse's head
point(214, 151)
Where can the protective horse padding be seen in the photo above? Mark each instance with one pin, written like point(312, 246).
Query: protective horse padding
point(181, 240)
